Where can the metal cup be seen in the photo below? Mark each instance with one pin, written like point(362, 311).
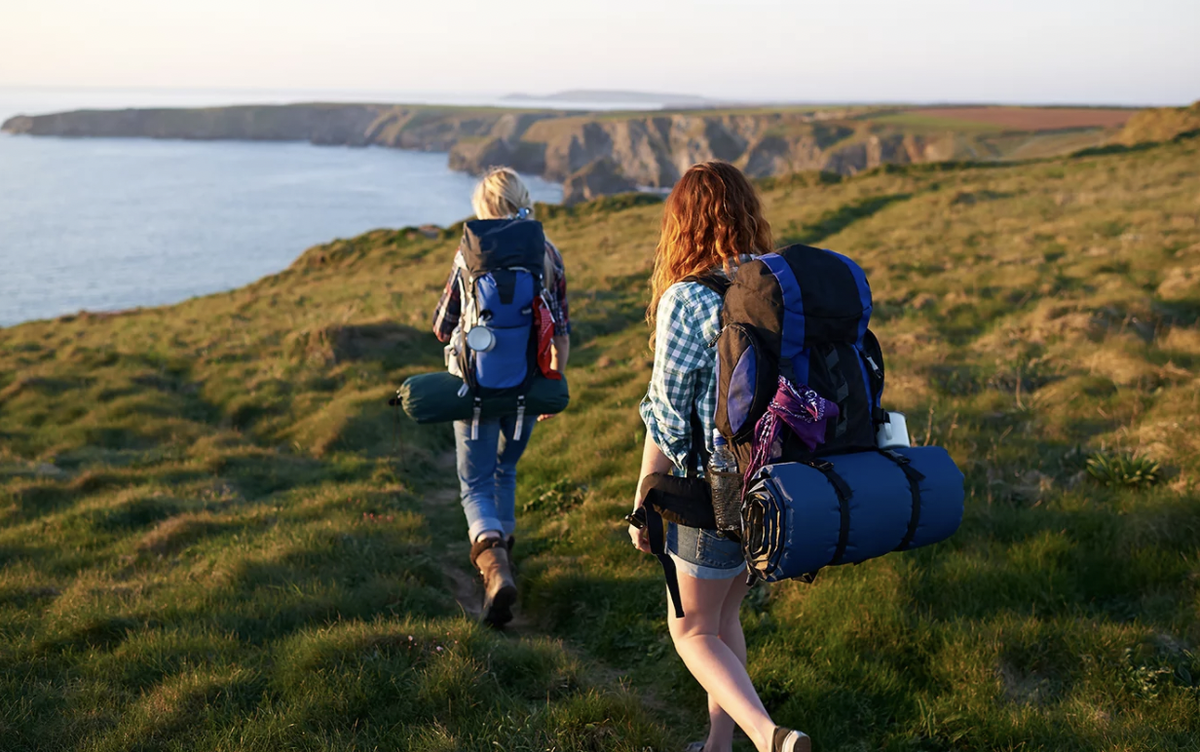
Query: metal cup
point(481, 339)
point(894, 433)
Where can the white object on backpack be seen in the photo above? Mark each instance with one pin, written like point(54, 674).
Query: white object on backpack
point(481, 339)
point(894, 433)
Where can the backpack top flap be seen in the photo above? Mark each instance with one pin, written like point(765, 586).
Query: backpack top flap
point(800, 296)
point(490, 244)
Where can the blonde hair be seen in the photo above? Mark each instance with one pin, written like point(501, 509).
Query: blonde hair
point(500, 193)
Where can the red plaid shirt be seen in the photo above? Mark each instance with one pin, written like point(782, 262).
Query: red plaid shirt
point(449, 308)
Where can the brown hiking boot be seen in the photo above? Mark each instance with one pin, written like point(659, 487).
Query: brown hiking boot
point(490, 557)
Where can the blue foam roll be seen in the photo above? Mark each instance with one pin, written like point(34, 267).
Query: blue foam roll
point(794, 516)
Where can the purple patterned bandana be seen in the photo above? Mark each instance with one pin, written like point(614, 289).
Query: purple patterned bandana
point(800, 409)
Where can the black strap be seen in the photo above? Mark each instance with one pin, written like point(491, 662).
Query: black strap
point(506, 284)
point(841, 390)
point(915, 477)
point(698, 454)
point(715, 281)
point(466, 358)
point(658, 547)
point(844, 492)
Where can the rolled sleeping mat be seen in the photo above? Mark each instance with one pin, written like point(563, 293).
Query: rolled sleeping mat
point(800, 517)
point(434, 398)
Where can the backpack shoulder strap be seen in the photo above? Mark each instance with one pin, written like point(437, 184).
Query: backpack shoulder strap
point(714, 281)
point(697, 456)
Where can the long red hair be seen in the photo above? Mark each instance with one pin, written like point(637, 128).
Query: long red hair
point(712, 217)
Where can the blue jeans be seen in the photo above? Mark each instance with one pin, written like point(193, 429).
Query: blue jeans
point(487, 472)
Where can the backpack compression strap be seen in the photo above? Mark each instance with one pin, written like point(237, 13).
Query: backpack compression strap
point(843, 492)
point(914, 477)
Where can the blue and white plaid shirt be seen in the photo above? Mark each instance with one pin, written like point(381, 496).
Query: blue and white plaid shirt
point(688, 320)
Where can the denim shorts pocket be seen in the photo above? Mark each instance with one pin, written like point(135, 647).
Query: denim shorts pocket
point(704, 548)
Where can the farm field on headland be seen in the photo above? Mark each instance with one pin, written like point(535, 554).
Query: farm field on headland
point(1033, 118)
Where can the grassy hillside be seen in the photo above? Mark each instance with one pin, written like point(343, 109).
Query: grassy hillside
point(1160, 124)
point(215, 536)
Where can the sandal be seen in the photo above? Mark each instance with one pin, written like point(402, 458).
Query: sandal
point(787, 740)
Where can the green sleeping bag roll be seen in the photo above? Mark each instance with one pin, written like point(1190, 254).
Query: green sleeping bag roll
point(433, 398)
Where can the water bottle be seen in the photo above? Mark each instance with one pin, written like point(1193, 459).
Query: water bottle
point(726, 483)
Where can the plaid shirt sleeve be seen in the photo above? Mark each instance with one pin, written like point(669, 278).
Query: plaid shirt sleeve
point(558, 296)
point(684, 366)
point(449, 308)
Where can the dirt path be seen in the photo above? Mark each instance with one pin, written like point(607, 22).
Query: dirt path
point(441, 508)
point(443, 512)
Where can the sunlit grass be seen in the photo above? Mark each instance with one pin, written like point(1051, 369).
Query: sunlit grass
point(214, 534)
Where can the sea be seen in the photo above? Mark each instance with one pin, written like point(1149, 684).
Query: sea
point(111, 224)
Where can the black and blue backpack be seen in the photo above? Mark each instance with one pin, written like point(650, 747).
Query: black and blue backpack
point(495, 350)
point(804, 313)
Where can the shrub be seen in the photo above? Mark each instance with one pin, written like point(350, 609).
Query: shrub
point(1124, 470)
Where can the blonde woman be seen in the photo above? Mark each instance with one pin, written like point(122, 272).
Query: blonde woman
point(487, 457)
point(713, 219)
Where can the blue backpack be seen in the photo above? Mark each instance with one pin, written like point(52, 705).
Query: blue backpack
point(495, 349)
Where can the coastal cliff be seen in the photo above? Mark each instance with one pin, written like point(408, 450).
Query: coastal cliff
point(590, 153)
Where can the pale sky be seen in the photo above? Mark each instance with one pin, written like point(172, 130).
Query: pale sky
point(1019, 51)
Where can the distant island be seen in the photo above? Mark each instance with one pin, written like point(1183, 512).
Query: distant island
point(616, 96)
point(600, 153)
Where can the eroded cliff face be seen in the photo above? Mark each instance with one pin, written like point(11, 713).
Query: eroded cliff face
point(654, 150)
point(590, 154)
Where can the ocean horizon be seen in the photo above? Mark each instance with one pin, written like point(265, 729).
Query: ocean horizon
point(111, 224)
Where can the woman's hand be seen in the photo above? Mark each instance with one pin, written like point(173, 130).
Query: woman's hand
point(653, 461)
point(641, 541)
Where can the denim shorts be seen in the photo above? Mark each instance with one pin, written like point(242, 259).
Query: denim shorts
point(704, 554)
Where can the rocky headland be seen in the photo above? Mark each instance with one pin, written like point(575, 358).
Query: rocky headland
point(591, 154)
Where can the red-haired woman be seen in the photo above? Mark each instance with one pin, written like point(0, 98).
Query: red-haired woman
point(712, 221)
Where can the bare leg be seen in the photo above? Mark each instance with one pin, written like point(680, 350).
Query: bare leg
point(720, 725)
point(711, 610)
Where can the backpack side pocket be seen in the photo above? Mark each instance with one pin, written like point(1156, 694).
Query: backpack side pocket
point(746, 381)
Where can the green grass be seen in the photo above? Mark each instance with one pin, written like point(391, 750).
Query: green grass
point(214, 535)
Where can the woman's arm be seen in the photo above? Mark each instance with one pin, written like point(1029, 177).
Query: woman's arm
point(449, 308)
point(680, 352)
point(560, 352)
point(653, 461)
